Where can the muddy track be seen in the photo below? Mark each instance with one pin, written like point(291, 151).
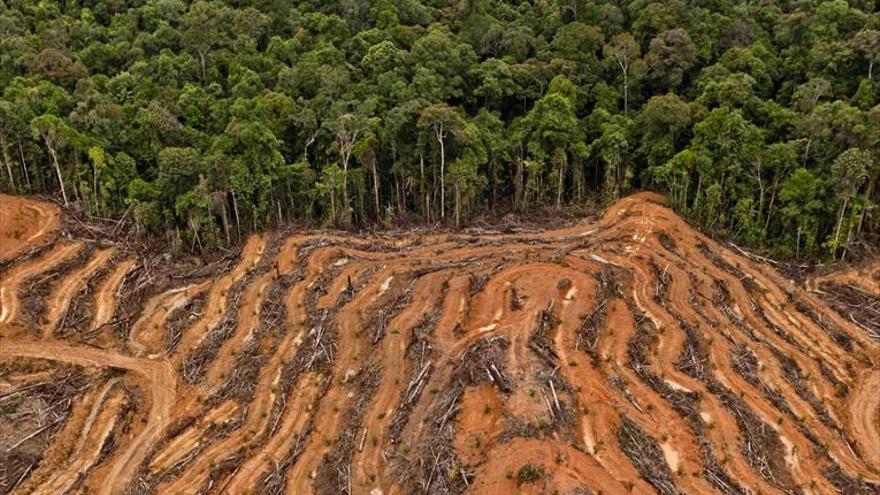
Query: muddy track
point(628, 354)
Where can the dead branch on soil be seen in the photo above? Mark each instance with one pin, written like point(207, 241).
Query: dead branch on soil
point(33, 414)
point(333, 476)
point(539, 339)
point(646, 456)
point(194, 365)
point(861, 308)
point(419, 352)
point(35, 292)
point(432, 466)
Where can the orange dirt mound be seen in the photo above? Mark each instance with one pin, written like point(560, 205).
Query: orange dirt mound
point(627, 355)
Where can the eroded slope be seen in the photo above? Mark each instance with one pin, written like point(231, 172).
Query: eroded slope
point(626, 355)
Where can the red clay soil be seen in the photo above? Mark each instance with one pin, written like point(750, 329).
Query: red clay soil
point(627, 355)
point(865, 277)
point(24, 224)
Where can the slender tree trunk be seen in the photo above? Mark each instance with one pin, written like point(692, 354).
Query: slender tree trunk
point(375, 186)
point(237, 218)
point(346, 139)
point(423, 189)
point(440, 136)
point(8, 161)
point(560, 182)
point(869, 191)
point(772, 201)
point(95, 187)
point(345, 151)
point(308, 143)
point(699, 191)
point(847, 242)
point(397, 188)
point(839, 223)
point(225, 218)
point(27, 176)
point(333, 204)
point(58, 172)
point(78, 191)
point(624, 68)
point(195, 231)
point(203, 60)
point(435, 190)
point(518, 182)
point(457, 204)
point(344, 208)
point(493, 175)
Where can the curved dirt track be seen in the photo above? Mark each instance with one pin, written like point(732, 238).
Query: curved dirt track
point(59, 300)
point(108, 294)
point(90, 434)
point(161, 387)
point(25, 224)
point(626, 355)
point(13, 278)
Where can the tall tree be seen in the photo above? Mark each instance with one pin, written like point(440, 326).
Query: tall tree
point(849, 171)
point(55, 134)
point(867, 42)
point(555, 135)
point(613, 146)
point(7, 133)
point(366, 151)
point(203, 30)
point(802, 206)
point(624, 50)
point(664, 124)
point(442, 120)
point(348, 128)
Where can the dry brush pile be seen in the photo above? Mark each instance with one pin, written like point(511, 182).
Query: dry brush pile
point(626, 355)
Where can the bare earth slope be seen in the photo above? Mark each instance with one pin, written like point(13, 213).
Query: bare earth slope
point(626, 355)
point(23, 224)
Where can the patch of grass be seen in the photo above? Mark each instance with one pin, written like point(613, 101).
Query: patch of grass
point(530, 473)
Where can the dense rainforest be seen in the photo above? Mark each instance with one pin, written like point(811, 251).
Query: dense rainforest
point(201, 121)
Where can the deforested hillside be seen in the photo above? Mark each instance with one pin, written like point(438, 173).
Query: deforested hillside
point(205, 121)
point(624, 354)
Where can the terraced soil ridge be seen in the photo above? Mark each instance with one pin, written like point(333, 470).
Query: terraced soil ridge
point(630, 354)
